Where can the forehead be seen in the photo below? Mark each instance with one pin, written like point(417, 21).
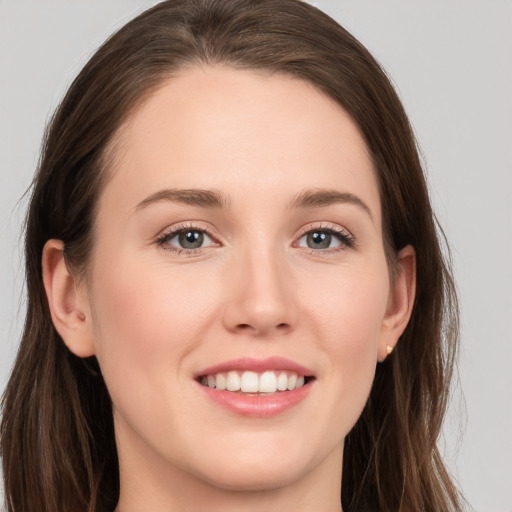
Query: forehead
point(242, 132)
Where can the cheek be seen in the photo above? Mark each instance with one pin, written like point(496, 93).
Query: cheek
point(349, 319)
point(351, 309)
point(146, 323)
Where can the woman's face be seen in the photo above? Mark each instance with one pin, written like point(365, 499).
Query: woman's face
point(238, 243)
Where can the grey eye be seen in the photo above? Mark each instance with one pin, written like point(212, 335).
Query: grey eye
point(320, 240)
point(190, 239)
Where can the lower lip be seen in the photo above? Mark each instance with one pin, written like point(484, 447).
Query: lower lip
point(256, 405)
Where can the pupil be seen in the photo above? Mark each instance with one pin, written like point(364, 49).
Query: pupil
point(319, 240)
point(191, 239)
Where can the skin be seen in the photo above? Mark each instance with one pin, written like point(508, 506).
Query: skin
point(155, 316)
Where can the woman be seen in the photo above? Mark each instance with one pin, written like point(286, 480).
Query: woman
point(228, 236)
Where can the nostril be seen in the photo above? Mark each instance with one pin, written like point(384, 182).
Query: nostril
point(260, 329)
point(245, 327)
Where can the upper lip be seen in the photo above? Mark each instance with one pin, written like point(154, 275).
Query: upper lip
point(257, 365)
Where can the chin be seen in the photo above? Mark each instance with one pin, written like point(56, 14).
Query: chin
point(268, 468)
point(253, 477)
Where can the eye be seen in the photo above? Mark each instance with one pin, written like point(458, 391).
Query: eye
point(186, 239)
point(326, 238)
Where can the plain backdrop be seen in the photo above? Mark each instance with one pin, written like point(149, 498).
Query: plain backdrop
point(451, 62)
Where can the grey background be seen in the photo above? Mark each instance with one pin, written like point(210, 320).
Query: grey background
point(451, 62)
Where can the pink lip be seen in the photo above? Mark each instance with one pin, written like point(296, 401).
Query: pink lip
point(256, 365)
point(254, 404)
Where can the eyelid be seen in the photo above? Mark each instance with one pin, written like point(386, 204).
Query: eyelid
point(347, 239)
point(170, 232)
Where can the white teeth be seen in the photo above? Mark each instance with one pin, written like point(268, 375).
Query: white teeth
point(282, 381)
point(221, 382)
point(249, 382)
point(233, 381)
point(252, 382)
point(292, 381)
point(268, 382)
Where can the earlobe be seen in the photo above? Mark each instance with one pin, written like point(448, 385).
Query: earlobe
point(68, 303)
point(400, 303)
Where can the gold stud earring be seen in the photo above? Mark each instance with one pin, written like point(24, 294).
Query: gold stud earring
point(389, 349)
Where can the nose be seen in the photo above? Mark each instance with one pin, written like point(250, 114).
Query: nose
point(261, 301)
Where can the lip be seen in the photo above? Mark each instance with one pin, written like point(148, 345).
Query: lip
point(257, 405)
point(257, 365)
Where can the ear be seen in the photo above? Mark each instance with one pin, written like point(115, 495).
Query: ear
point(68, 301)
point(400, 302)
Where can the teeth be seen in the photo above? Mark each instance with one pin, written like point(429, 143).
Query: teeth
point(233, 381)
point(292, 381)
point(282, 381)
point(252, 382)
point(249, 382)
point(268, 382)
point(221, 382)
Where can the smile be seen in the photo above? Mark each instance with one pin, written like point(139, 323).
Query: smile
point(270, 381)
point(256, 388)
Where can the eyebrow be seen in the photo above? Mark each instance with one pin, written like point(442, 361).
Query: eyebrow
point(308, 198)
point(321, 197)
point(192, 196)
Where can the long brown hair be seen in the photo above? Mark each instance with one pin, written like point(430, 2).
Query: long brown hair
point(57, 434)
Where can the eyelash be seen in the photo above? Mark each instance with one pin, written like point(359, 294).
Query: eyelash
point(346, 239)
point(164, 238)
